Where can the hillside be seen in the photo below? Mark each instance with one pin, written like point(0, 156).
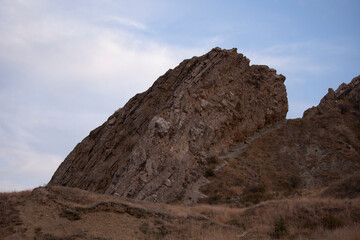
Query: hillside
point(296, 156)
point(205, 153)
point(71, 214)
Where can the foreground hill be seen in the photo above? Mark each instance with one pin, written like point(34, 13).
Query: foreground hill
point(69, 214)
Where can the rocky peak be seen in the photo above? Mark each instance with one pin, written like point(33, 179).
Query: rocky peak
point(344, 93)
point(156, 146)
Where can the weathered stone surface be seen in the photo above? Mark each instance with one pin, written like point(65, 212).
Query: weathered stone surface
point(298, 155)
point(155, 147)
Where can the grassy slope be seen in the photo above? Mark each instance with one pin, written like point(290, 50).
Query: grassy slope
point(67, 213)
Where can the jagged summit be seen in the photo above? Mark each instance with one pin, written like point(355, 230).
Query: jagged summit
point(157, 146)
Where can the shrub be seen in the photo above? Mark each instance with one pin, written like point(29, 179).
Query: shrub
point(355, 216)
point(213, 199)
point(235, 222)
point(280, 229)
point(254, 194)
point(209, 173)
point(295, 181)
point(144, 228)
point(212, 160)
point(329, 221)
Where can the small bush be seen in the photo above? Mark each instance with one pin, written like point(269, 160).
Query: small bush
point(254, 194)
point(70, 214)
point(50, 237)
point(212, 160)
point(209, 173)
point(355, 216)
point(144, 228)
point(295, 181)
point(329, 221)
point(212, 200)
point(235, 222)
point(280, 229)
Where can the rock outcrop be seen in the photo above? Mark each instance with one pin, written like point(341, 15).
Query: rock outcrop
point(157, 147)
point(298, 155)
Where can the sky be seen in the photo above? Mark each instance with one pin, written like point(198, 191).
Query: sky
point(67, 65)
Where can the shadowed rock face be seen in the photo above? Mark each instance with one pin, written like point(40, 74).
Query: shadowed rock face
point(307, 153)
point(156, 146)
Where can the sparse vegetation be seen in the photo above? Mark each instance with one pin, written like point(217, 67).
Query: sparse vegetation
point(144, 228)
point(349, 187)
point(301, 218)
point(9, 214)
point(254, 194)
point(209, 173)
point(295, 181)
point(212, 160)
point(70, 214)
point(355, 215)
point(280, 229)
point(329, 221)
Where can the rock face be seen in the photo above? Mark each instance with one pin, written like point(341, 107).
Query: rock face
point(298, 155)
point(157, 146)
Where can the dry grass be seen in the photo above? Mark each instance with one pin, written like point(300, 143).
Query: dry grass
point(9, 214)
point(66, 213)
point(303, 217)
point(348, 187)
point(348, 232)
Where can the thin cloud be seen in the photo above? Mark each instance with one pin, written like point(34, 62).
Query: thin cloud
point(127, 22)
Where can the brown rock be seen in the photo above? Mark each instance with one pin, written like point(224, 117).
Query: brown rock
point(306, 154)
point(155, 147)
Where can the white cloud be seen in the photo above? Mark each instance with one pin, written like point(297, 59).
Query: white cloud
point(69, 51)
point(23, 168)
point(126, 22)
point(70, 70)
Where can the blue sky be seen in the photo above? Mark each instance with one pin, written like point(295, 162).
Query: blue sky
point(66, 65)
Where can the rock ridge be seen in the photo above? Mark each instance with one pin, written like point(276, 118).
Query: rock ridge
point(157, 146)
point(301, 156)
